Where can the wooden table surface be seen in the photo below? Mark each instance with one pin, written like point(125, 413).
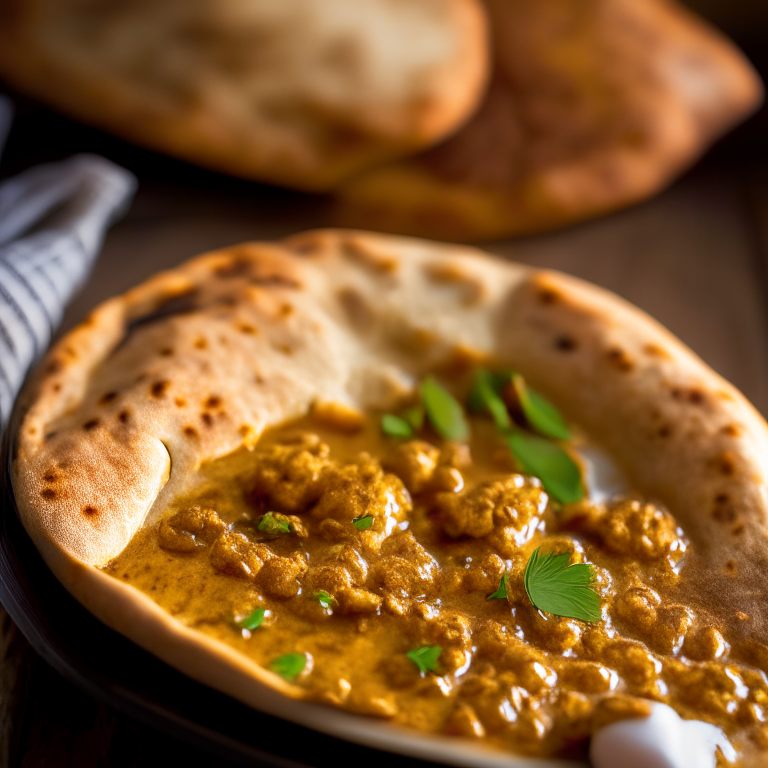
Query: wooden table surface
point(695, 257)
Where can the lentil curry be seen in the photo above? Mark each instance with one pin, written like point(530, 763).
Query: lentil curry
point(360, 566)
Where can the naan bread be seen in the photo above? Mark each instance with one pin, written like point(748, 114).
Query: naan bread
point(297, 92)
point(593, 105)
point(119, 414)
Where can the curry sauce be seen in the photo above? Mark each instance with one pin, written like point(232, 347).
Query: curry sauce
point(442, 523)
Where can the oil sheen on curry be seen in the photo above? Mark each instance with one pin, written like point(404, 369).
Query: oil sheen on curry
point(390, 571)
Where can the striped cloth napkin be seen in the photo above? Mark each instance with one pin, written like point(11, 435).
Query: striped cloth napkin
point(52, 222)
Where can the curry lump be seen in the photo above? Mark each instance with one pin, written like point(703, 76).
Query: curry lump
point(360, 566)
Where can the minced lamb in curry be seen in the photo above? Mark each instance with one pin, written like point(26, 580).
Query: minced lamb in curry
point(363, 566)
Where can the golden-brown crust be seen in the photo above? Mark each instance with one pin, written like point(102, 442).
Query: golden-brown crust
point(206, 356)
point(686, 435)
point(592, 106)
point(272, 92)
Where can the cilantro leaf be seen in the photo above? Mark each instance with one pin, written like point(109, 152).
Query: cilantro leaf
point(415, 416)
point(253, 620)
point(273, 525)
point(290, 666)
point(546, 460)
point(556, 587)
point(363, 523)
point(394, 426)
point(537, 456)
point(484, 395)
point(497, 380)
point(444, 412)
point(502, 593)
point(540, 413)
point(425, 658)
point(325, 598)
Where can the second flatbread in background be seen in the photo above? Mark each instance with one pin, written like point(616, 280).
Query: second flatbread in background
point(594, 105)
point(296, 92)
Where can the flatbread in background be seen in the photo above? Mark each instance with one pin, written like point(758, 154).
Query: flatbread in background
point(593, 105)
point(298, 92)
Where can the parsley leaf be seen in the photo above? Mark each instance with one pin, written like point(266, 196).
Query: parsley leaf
point(394, 426)
point(502, 593)
point(425, 658)
point(540, 413)
point(273, 525)
point(253, 620)
point(363, 523)
point(325, 598)
point(556, 587)
point(444, 412)
point(290, 666)
point(484, 395)
point(546, 460)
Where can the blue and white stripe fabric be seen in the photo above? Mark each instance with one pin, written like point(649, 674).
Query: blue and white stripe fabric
point(52, 222)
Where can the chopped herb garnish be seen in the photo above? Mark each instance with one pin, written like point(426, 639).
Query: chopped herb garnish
point(394, 426)
point(415, 416)
point(540, 413)
point(444, 412)
point(484, 395)
point(325, 599)
point(253, 620)
point(502, 593)
point(425, 658)
point(363, 523)
point(497, 380)
point(556, 587)
point(273, 525)
point(546, 460)
point(290, 666)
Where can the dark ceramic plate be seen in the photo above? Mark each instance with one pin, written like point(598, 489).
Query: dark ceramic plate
point(114, 670)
